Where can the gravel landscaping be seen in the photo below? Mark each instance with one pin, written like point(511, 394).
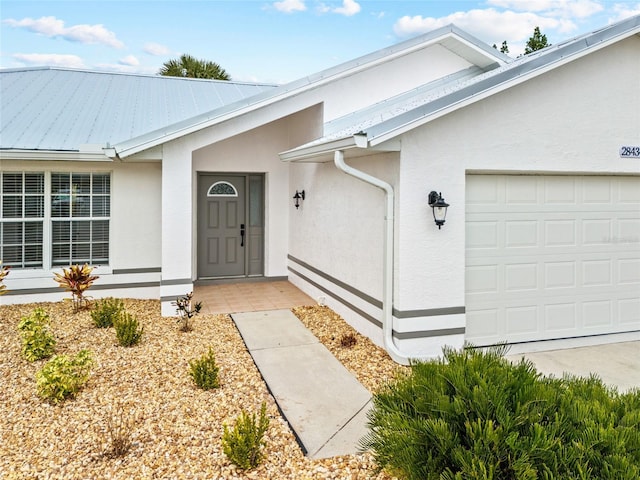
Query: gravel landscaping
point(175, 427)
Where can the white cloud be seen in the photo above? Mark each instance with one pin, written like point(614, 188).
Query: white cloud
point(129, 60)
point(53, 27)
point(348, 8)
point(50, 59)
point(289, 6)
point(556, 8)
point(156, 49)
point(489, 25)
point(624, 10)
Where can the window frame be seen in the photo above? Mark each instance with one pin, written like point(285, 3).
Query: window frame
point(47, 222)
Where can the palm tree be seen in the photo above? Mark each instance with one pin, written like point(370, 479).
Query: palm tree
point(188, 66)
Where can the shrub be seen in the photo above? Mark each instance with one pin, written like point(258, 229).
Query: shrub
point(204, 371)
point(244, 443)
point(186, 309)
point(106, 312)
point(76, 280)
point(4, 271)
point(62, 376)
point(37, 340)
point(475, 415)
point(128, 330)
point(348, 340)
point(119, 429)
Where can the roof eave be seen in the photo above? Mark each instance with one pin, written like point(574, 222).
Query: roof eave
point(56, 155)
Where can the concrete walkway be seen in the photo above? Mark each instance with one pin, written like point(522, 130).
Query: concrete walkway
point(322, 401)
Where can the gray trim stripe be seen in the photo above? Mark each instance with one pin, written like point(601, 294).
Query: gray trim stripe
point(125, 271)
point(443, 332)
point(177, 281)
point(367, 298)
point(373, 320)
point(38, 291)
point(432, 312)
point(376, 322)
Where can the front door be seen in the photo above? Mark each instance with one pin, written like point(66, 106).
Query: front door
point(227, 237)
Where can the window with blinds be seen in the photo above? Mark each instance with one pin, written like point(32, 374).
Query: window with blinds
point(21, 219)
point(80, 209)
point(69, 226)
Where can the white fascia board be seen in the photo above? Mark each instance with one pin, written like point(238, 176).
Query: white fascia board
point(55, 156)
point(394, 132)
point(319, 152)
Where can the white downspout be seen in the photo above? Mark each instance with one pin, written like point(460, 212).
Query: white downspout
point(387, 269)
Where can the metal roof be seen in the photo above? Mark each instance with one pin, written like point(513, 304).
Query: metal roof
point(55, 109)
point(68, 110)
point(374, 125)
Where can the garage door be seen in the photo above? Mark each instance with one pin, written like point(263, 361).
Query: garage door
point(551, 257)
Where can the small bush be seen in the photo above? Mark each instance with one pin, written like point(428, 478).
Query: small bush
point(62, 376)
point(204, 371)
point(76, 280)
point(4, 271)
point(244, 443)
point(187, 309)
point(106, 312)
point(119, 428)
point(348, 340)
point(37, 340)
point(475, 415)
point(128, 330)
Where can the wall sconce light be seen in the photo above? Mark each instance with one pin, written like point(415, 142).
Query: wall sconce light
point(297, 197)
point(439, 207)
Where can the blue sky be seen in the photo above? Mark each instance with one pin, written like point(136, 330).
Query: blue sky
point(269, 41)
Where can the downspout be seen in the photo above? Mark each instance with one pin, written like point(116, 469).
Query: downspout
point(387, 269)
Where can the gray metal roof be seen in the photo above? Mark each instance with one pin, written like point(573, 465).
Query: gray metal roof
point(63, 109)
point(69, 110)
point(386, 120)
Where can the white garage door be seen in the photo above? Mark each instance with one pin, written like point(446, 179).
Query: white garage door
point(551, 257)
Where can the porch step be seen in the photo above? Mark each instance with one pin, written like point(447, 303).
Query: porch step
point(323, 402)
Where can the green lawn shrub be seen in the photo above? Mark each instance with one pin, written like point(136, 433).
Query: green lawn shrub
point(37, 340)
point(128, 330)
point(204, 371)
point(63, 376)
point(244, 443)
point(475, 415)
point(106, 311)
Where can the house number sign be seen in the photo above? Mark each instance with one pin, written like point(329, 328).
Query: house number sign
point(630, 152)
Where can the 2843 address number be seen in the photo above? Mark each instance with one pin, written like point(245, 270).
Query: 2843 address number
point(630, 152)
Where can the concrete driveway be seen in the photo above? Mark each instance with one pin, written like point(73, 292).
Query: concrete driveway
point(617, 364)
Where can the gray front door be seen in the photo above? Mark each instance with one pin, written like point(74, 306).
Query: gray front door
point(227, 236)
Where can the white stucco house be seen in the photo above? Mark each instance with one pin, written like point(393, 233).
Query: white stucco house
point(166, 182)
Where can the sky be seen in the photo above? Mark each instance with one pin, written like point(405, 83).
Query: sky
point(269, 41)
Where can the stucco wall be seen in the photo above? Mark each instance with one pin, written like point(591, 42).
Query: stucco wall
point(572, 119)
point(134, 234)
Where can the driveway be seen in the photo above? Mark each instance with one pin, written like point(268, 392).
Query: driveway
point(617, 364)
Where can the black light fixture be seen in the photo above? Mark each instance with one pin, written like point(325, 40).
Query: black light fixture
point(439, 207)
point(297, 197)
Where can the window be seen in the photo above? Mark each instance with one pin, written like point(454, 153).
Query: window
point(22, 218)
point(64, 224)
point(222, 189)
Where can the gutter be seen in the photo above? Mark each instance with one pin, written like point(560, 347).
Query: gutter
point(387, 271)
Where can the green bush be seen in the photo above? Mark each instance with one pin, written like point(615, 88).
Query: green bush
point(475, 415)
point(37, 340)
point(204, 371)
point(243, 444)
point(128, 330)
point(63, 376)
point(106, 312)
